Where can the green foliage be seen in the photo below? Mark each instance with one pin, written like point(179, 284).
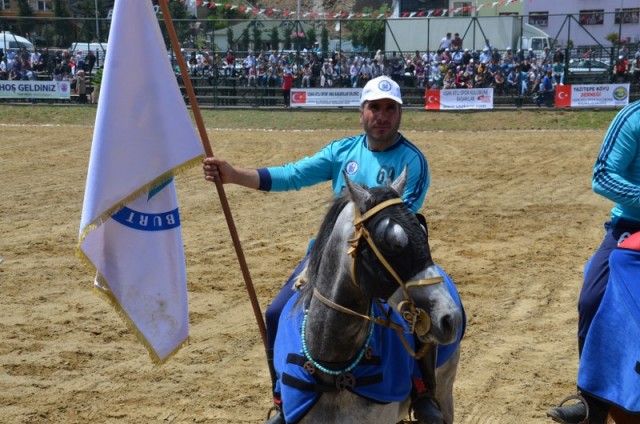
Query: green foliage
point(48, 34)
point(324, 39)
point(245, 40)
point(181, 24)
point(274, 39)
point(222, 17)
point(230, 38)
point(612, 37)
point(64, 30)
point(257, 37)
point(96, 79)
point(286, 45)
point(312, 37)
point(87, 9)
point(368, 33)
point(25, 17)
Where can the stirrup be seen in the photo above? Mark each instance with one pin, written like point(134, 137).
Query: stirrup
point(582, 400)
point(274, 412)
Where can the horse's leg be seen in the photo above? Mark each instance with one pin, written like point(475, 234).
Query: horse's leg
point(348, 408)
point(446, 375)
point(618, 416)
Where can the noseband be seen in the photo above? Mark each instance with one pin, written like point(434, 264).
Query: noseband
point(418, 319)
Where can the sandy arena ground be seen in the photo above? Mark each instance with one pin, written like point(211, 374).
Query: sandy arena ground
point(512, 219)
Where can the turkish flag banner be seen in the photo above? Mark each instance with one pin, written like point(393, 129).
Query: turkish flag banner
point(432, 100)
point(563, 96)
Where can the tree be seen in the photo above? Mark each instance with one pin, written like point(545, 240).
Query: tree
point(25, 18)
point(312, 37)
point(221, 17)
point(230, 38)
point(87, 9)
point(181, 22)
point(275, 38)
point(324, 40)
point(65, 32)
point(245, 40)
point(287, 38)
point(257, 37)
point(368, 33)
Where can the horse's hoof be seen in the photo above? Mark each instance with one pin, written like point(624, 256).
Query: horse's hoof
point(426, 411)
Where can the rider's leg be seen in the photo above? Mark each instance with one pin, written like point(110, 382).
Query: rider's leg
point(272, 316)
point(425, 407)
point(596, 278)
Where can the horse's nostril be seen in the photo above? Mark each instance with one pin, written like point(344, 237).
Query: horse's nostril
point(449, 324)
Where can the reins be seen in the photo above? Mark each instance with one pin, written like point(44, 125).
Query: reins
point(399, 329)
point(417, 318)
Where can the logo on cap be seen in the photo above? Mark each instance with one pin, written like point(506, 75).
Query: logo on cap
point(384, 85)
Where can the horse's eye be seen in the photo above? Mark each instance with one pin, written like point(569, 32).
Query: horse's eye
point(390, 237)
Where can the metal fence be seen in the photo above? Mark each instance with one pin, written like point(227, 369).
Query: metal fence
point(309, 43)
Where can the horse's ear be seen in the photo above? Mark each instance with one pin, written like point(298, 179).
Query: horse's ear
point(399, 184)
point(359, 194)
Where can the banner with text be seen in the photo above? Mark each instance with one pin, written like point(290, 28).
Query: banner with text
point(325, 97)
point(592, 95)
point(35, 89)
point(457, 99)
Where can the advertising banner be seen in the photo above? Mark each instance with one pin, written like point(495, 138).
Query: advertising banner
point(592, 95)
point(458, 99)
point(35, 89)
point(325, 97)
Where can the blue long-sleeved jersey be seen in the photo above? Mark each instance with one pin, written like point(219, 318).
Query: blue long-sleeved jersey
point(616, 174)
point(362, 165)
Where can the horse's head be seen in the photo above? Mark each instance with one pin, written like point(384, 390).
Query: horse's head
point(372, 246)
point(394, 262)
point(390, 244)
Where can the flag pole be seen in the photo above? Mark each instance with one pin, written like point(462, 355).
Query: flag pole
point(209, 153)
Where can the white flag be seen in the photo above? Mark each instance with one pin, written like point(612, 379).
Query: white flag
point(130, 226)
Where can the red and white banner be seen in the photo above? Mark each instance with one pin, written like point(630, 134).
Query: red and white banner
point(592, 95)
point(325, 97)
point(272, 11)
point(457, 99)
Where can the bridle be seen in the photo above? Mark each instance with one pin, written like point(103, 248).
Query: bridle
point(418, 319)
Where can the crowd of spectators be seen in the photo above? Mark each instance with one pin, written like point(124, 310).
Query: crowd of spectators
point(515, 73)
point(509, 73)
point(43, 64)
point(58, 65)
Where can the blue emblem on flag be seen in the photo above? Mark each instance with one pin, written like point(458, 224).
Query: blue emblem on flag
point(149, 221)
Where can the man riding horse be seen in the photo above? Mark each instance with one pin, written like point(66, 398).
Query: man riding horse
point(372, 159)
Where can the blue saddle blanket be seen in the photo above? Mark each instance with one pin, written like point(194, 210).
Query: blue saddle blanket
point(386, 377)
point(610, 362)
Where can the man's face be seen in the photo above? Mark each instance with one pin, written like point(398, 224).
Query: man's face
point(380, 120)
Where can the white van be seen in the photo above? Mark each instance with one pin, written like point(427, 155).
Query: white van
point(9, 41)
point(98, 48)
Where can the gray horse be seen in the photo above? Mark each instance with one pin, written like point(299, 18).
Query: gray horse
point(343, 354)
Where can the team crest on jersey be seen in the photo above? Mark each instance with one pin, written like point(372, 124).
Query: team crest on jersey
point(351, 168)
point(148, 221)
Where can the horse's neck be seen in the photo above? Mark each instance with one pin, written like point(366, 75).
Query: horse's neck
point(335, 336)
point(332, 335)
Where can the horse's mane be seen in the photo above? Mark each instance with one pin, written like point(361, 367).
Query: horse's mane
point(321, 242)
